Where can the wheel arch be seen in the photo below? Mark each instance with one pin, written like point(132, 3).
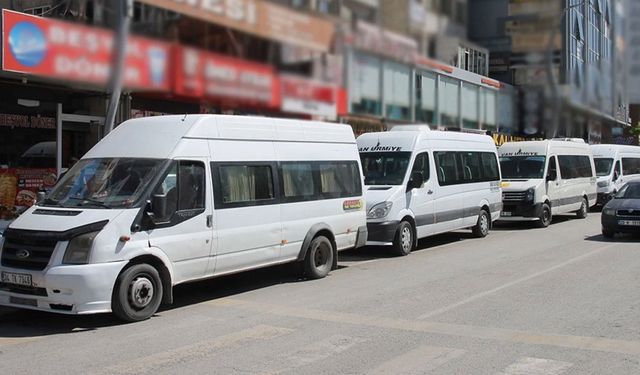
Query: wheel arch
point(164, 270)
point(319, 229)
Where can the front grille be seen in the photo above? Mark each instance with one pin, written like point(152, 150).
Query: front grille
point(30, 253)
point(514, 196)
point(30, 290)
point(633, 213)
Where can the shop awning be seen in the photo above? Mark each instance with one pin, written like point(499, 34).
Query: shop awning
point(260, 18)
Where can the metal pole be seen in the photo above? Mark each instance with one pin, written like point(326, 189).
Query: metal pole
point(59, 139)
point(124, 9)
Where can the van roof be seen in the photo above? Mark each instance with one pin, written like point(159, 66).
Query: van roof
point(407, 138)
point(543, 146)
point(157, 137)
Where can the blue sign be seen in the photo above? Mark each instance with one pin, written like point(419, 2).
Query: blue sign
point(27, 44)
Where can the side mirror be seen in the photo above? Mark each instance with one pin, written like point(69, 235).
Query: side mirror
point(40, 196)
point(416, 181)
point(159, 206)
point(552, 175)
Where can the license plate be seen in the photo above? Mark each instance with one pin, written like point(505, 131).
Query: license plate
point(16, 278)
point(505, 213)
point(630, 223)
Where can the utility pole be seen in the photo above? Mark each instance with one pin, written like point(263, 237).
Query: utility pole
point(123, 12)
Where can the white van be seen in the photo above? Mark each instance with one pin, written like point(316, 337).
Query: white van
point(545, 178)
point(165, 200)
point(615, 165)
point(421, 182)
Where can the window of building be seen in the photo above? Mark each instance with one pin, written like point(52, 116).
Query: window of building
point(505, 113)
point(397, 91)
point(489, 104)
point(470, 118)
point(426, 97)
point(364, 86)
point(448, 99)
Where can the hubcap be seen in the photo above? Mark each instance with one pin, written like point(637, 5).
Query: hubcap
point(141, 292)
point(545, 216)
point(406, 239)
point(484, 224)
point(321, 256)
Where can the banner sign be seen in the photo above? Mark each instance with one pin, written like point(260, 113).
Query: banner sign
point(257, 17)
point(19, 187)
point(66, 51)
point(204, 74)
point(301, 95)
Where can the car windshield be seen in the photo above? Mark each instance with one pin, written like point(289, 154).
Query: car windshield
point(629, 191)
point(384, 168)
point(522, 167)
point(105, 183)
point(603, 166)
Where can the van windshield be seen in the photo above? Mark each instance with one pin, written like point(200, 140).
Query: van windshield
point(522, 167)
point(384, 168)
point(105, 183)
point(603, 166)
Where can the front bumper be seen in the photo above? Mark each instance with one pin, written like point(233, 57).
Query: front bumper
point(520, 211)
point(611, 222)
point(68, 289)
point(382, 233)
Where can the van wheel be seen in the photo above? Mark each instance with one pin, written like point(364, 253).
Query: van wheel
point(319, 259)
point(584, 209)
point(137, 294)
point(481, 229)
point(545, 216)
point(404, 242)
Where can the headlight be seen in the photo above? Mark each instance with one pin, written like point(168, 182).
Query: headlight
point(604, 183)
point(609, 211)
point(380, 210)
point(531, 195)
point(79, 249)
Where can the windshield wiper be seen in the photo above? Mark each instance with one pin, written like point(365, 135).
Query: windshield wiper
point(90, 200)
point(52, 202)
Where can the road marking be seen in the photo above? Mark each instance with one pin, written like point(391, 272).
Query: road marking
point(460, 330)
point(315, 352)
point(201, 350)
point(536, 366)
point(418, 361)
point(512, 283)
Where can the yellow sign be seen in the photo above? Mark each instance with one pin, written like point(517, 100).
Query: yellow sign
point(352, 205)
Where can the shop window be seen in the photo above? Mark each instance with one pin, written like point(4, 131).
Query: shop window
point(364, 88)
point(489, 121)
point(448, 99)
point(426, 97)
point(469, 106)
point(397, 83)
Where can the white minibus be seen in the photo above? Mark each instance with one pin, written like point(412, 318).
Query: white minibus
point(165, 200)
point(420, 183)
point(545, 178)
point(615, 165)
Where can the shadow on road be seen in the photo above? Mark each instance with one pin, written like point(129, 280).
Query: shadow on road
point(619, 238)
point(526, 225)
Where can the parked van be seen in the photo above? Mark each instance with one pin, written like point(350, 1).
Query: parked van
point(615, 165)
point(165, 200)
point(545, 178)
point(420, 183)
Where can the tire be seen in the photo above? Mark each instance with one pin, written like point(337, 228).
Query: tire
point(584, 209)
point(481, 229)
point(608, 233)
point(545, 216)
point(137, 294)
point(319, 259)
point(404, 242)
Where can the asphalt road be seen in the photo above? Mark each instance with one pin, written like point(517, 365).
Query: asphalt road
point(550, 301)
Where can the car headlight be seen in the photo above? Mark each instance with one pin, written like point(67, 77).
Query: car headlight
point(609, 211)
point(380, 210)
point(604, 183)
point(531, 195)
point(79, 249)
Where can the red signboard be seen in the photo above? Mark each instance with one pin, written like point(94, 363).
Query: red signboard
point(203, 74)
point(66, 51)
point(18, 187)
point(302, 95)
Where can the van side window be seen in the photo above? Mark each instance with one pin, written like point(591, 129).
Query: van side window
point(245, 184)
point(297, 180)
point(421, 164)
point(447, 167)
point(471, 168)
point(631, 166)
point(339, 179)
point(553, 167)
point(618, 168)
point(184, 187)
point(490, 166)
point(574, 166)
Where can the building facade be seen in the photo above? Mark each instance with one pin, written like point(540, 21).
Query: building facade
point(567, 58)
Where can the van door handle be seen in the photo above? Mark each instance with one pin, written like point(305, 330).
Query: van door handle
point(209, 221)
point(429, 191)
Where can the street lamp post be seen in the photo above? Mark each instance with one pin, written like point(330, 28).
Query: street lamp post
point(551, 77)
